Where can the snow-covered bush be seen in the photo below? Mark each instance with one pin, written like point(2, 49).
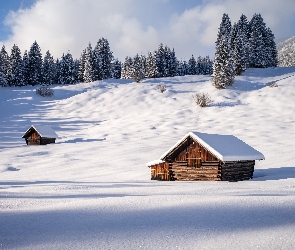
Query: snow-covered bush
point(162, 87)
point(273, 84)
point(202, 99)
point(45, 91)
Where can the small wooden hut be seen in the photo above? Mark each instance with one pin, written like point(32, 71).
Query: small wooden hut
point(40, 135)
point(199, 157)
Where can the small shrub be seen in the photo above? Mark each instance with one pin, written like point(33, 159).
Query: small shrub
point(45, 91)
point(202, 99)
point(273, 84)
point(162, 87)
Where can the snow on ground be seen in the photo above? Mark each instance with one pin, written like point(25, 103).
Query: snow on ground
point(92, 189)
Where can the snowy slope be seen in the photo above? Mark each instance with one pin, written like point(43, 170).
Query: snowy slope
point(92, 189)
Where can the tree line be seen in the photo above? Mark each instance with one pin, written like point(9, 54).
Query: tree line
point(164, 63)
point(32, 69)
point(240, 46)
point(94, 64)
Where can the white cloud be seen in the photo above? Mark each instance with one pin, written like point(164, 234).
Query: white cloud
point(137, 26)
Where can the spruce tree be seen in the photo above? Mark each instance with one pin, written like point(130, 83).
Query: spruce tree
point(223, 72)
point(89, 74)
point(26, 67)
point(173, 64)
point(34, 66)
point(271, 49)
point(257, 41)
point(67, 69)
point(82, 62)
point(137, 68)
point(240, 45)
point(48, 69)
point(161, 63)
point(116, 69)
point(103, 57)
point(15, 68)
point(4, 61)
point(57, 72)
point(126, 72)
point(151, 65)
point(192, 66)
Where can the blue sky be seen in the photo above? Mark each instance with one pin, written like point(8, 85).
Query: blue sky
point(10, 5)
point(132, 26)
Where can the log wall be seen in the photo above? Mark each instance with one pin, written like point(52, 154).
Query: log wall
point(36, 139)
point(190, 161)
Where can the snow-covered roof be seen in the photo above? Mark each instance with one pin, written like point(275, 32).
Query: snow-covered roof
point(224, 147)
point(151, 163)
point(43, 131)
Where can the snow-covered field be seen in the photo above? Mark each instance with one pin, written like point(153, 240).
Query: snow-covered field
point(92, 189)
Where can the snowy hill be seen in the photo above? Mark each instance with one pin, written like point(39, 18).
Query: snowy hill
point(286, 52)
point(92, 189)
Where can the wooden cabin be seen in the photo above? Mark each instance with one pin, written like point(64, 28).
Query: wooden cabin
point(201, 157)
point(40, 135)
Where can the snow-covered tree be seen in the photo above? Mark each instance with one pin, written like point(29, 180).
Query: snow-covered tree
point(137, 68)
point(173, 64)
point(103, 57)
point(67, 69)
point(15, 72)
point(116, 69)
point(240, 45)
point(57, 72)
point(257, 38)
point(82, 62)
point(223, 71)
point(4, 62)
point(89, 74)
point(126, 72)
point(48, 69)
point(161, 63)
point(192, 66)
point(34, 67)
point(271, 49)
point(151, 70)
point(286, 52)
point(182, 68)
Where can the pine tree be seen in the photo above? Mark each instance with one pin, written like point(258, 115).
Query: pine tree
point(240, 45)
point(168, 61)
point(182, 68)
point(48, 69)
point(271, 49)
point(26, 67)
point(57, 72)
point(192, 66)
point(76, 70)
point(34, 66)
point(151, 65)
point(173, 69)
point(103, 57)
point(15, 68)
point(126, 72)
point(67, 69)
point(82, 66)
point(89, 74)
point(161, 63)
point(137, 68)
point(116, 69)
point(4, 61)
point(257, 44)
point(223, 72)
